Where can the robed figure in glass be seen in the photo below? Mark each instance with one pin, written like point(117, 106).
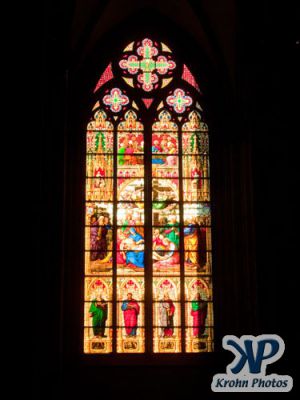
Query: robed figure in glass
point(131, 310)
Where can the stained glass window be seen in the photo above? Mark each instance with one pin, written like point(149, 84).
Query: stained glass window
point(148, 263)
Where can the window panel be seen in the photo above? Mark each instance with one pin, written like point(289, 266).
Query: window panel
point(98, 239)
point(130, 166)
point(99, 166)
point(195, 166)
point(196, 189)
point(198, 286)
point(98, 315)
point(166, 263)
point(99, 189)
point(166, 287)
point(159, 177)
point(164, 143)
point(201, 344)
point(131, 340)
point(98, 213)
point(130, 255)
point(100, 345)
point(130, 214)
point(130, 143)
point(165, 189)
point(166, 315)
point(165, 166)
point(199, 314)
point(166, 238)
point(195, 143)
point(196, 213)
point(94, 265)
point(97, 288)
point(197, 262)
point(130, 189)
point(164, 213)
point(163, 343)
point(130, 315)
point(99, 141)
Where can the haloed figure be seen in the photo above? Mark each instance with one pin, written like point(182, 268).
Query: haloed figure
point(199, 313)
point(94, 238)
point(131, 310)
point(166, 316)
point(98, 311)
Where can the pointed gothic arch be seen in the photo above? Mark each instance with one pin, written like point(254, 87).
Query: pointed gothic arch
point(148, 214)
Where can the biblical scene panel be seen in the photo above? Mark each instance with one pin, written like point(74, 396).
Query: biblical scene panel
point(130, 214)
point(165, 166)
point(164, 213)
point(99, 166)
point(99, 189)
point(97, 209)
point(130, 315)
point(197, 262)
point(130, 189)
point(130, 143)
point(165, 143)
point(197, 243)
point(166, 238)
point(166, 263)
point(130, 166)
point(98, 238)
point(99, 141)
point(165, 255)
point(130, 254)
point(165, 190)
point(99, 242)
point(95, 265)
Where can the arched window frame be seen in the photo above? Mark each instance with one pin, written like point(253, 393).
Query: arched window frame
point(148, 116)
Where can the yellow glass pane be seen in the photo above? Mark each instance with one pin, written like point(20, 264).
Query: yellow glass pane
point(195, 286)
point(196, 189)
point(132, 343)
point(99, 166)
point(98, 315)
point(94, 344)
point(197, 262)
point(166, 287)
point(167, 344)
point(97, 288)
point(130, 214)
point(202, 344)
